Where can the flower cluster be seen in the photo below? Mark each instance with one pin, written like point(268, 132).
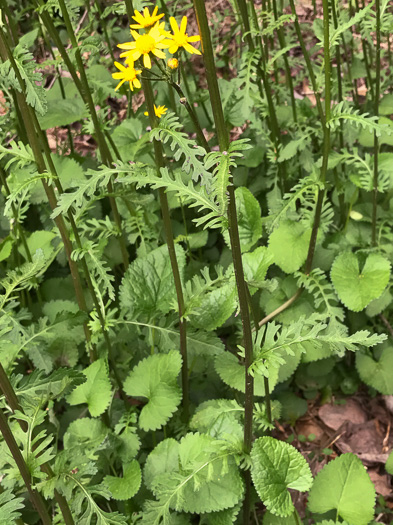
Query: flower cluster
point(151, 41)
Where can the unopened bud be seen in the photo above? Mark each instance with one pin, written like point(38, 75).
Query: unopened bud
point(173, 63)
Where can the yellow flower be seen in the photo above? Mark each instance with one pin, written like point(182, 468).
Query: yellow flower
point(146, 19)
point(180, 38)
point(161, 110)
point(173, 63)
point(151, 42)
point(127, 74)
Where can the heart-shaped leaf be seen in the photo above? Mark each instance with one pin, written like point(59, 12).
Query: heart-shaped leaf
point(355, 288)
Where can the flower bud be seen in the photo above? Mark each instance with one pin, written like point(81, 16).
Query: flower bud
point(173, 63)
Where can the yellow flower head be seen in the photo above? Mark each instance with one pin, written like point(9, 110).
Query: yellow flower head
point(127, 74)
point(180, 38)
point(173, 63)
point(161, 110)
point(146, 19)
point(151, 42)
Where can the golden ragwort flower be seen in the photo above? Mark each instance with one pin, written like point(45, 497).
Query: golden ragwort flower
point(127, 74)
point(161, 110)
point(146, 19)
point(151, 42)
point(180, 38)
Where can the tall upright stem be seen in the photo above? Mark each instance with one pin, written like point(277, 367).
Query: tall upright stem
point(308, 62)
point(159, 160)
point(84, 88)
point(326, 138)
point(28, 119)
point(35, 496)
point(223, 140)
point(376, 112)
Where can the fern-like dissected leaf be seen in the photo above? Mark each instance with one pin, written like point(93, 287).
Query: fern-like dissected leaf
point(38, 386)
point(9, 508)
point(323, 292)
point(194, 196)
point(344, 26)
point(35, 92)
point(21, 154)
point(342, 111)
point(222, 162)
point(307, 184)
point(167, 130)
point(99, 271)
point(22, 277)
point(303, 335)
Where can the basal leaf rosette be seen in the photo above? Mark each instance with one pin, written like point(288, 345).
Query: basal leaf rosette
point(356, 284)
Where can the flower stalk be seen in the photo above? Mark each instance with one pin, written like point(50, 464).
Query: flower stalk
point(223, 140)
point(376, 112)
point(159, 160)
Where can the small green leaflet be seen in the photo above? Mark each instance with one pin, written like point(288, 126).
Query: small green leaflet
point(96, 391)
point(127, 486)
point(357, 288)
point(155, 378)
point(389, 464)
point(344, 485)
point(9, 508)
point(276, 467)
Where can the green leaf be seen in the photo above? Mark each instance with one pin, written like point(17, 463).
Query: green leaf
point(127, 486)
point(249, 219)
point(169, 129)
point(9, 508)
point(148, 287)
point(256, 265)
point(355, 288)
point(386, 105)
point(96, 391)
point(196, 475)
point(232, 373)
point(389, 464)
point(377, 373)
point(276, 467)
point(289, 245)
point(271, 519)
point(343, 485)
point(55, 386)
point(40, 240)
point(218, 417)
point(6, 248)
point(155, 378)
point(84, 436)
point(62, 113)
point(215, 307)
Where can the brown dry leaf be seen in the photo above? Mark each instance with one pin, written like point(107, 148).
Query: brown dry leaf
point(309, 93)
point(309, 426)
point(3, 104)
point(381, 482)
point(336, 415)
